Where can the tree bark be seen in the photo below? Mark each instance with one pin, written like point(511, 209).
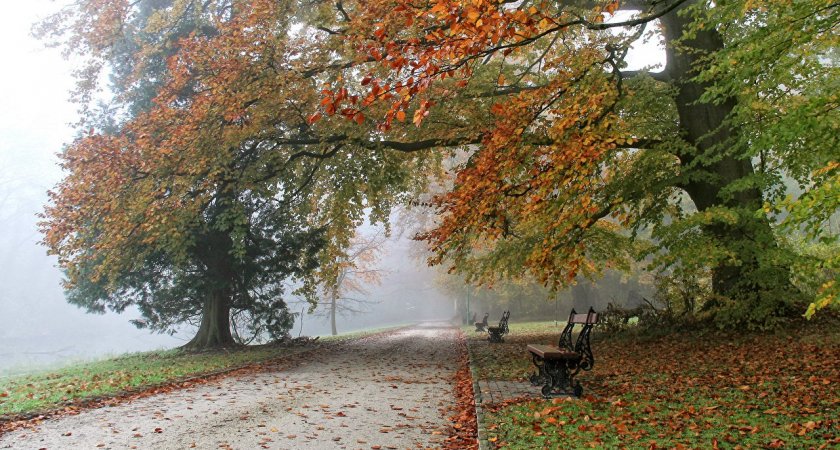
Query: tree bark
point(704, 126)
point(214, 331)
point(333, 308)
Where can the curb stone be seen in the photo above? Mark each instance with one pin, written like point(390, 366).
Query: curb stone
point(483, 443)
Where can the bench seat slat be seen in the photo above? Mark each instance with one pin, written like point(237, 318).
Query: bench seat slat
point(552, 352)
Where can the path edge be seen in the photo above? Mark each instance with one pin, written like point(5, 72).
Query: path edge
point(9, 424)
point(483, 443)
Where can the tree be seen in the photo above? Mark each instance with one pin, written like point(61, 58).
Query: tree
point(578, 145)
point(130, 229)
point(194, 194)
point(568, 150)
point(346, 271)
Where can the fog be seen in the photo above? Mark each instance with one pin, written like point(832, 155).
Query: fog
point(37, 327)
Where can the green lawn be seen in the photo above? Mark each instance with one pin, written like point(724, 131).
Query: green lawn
point(55, 389)
point(691, 390)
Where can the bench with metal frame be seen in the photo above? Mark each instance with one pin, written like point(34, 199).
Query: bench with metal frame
point(482, 326)
point(496, 333)
point(558, 365)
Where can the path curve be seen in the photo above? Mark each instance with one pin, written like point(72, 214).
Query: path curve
point(385, 391)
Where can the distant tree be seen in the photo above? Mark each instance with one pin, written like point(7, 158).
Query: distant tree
point(345, 275)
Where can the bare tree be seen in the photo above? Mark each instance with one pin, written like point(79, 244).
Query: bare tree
point(345, 289)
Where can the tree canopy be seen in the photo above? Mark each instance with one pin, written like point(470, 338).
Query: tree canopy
point(201, 189)
point(283, 119)
point(579, 149)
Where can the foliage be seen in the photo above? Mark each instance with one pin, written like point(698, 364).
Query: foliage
point(131, 226)
point(783, 67)
point(577, 147)
point(570, 157)
point(198, 190)
point(530, 300)
point(683, 292)
point(821, 283)
point(525, 298)
point(761, 391)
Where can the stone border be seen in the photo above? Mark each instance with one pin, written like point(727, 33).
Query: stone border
point(483, 443)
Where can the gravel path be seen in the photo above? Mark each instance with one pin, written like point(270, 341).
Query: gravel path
point(385, 391)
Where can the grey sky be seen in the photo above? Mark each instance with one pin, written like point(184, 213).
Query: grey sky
point(36, 324)
point(34, 86)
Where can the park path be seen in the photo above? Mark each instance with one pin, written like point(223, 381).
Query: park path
point(385, 391)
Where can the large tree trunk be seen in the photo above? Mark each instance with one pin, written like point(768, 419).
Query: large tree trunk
point(214, 331)
point(704, 126)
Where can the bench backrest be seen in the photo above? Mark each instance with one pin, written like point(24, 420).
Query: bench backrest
point(590, 317)
point(581, 345)
point(503, 323)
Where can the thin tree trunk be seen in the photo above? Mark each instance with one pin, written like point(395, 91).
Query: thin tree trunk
point(333, 308)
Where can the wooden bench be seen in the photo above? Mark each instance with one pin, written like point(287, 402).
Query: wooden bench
point(558, 365)
point(482, 326)
point(496, 333)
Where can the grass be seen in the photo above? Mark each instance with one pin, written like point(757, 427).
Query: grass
point(55, 389)
point(692, 390)
point(487, 358)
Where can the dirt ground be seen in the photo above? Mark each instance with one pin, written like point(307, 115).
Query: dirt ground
point(386, 391)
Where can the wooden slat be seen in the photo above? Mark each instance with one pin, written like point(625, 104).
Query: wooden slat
point(584, 318)
point(551, 352)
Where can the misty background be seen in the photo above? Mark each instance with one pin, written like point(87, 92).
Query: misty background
point(38, 328)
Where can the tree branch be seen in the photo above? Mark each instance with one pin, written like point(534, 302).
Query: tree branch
point(658, 76)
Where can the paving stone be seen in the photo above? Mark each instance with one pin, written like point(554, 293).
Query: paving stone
point(497, 391)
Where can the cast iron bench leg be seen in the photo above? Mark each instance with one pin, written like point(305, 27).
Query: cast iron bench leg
point(539, 376)
point(559, 379)
point(495, 335)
